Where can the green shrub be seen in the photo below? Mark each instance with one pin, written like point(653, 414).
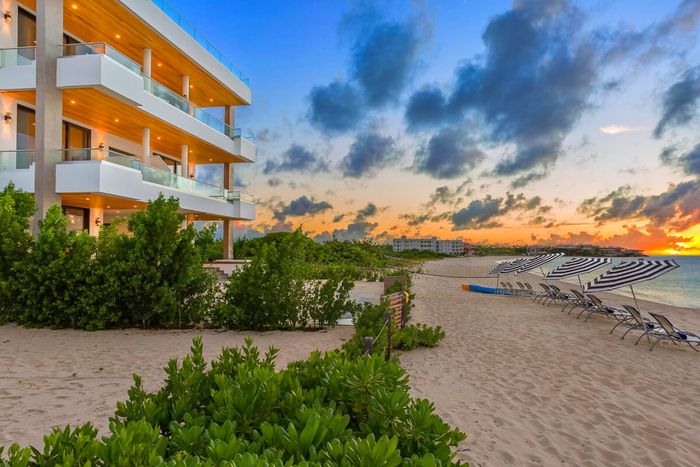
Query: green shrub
point(327, 410)
point(278, 290)
point(16, 208)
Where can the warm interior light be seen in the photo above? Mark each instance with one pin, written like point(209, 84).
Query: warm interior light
point(108, 207)
point(8, 16)
point(191, 86)
point(211, 100)
point(116, 120)
point(87, 199)
point(72, 102)
point(211, 160)
point(118, 36)
point(160, 64)
point(8, 118)
point(74, 6)
point(159, 138)
point(135, 206)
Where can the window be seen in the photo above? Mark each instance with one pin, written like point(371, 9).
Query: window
point(76, 140)
point(77, 219)
point(26, 29)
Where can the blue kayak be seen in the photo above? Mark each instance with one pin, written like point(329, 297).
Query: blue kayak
point(481, 289)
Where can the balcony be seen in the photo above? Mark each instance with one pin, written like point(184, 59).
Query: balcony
point(17, 167)
point(110, 173)
point(18, 69)
point(100, 66)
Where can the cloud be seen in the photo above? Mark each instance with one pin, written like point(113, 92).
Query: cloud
point(540, 67)
point(359, 228)
point(297, 159)
point(647, 238)
point(680, 102)
point(485, 213)
point(369, 153)
point(677, 208)
point(266, 135)
point(448, 154)
point(617, 129)
point(384, 55)
point(368, 211)
point(274, 182)
point(335, 108)
point(301, 206)
point(445, 195)
point(689, 162)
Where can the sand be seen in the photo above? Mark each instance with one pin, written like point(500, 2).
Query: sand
point(53, 378)
point(528, 385)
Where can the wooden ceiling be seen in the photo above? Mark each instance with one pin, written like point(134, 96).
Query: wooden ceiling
point(110, 22)
point(105, 113)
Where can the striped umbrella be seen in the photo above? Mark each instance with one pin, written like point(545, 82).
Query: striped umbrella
point(630, 273)
point(577, 267)
point(537, 262)
point(506, 265)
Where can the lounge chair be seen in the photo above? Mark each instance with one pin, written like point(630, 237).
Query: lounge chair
point(557, 296)
point(597, 307)
point(578, 301)
point(669, 332)
point(637, 322)
point(540, 296)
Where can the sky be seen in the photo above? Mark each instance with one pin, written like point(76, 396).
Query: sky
point(525, 121)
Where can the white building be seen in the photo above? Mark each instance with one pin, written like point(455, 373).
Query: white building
point(448, 247)
point(123, 110)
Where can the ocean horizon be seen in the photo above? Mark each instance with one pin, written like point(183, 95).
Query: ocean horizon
point(680, 287)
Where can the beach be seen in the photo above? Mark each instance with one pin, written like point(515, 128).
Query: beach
point(529, 385)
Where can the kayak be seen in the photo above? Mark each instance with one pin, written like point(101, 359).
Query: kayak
point(480, 289)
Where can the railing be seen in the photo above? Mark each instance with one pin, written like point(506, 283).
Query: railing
point(155, 175)
point(100, 48)
point(17, 56)
point(180, 102)
point(20, 159)
point(157, 89)
point(166, 8)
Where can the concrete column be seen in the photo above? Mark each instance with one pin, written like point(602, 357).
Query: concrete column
point(185, 160)
point(49, 105)
point(146, 146)
point(147, 62)
point(186, 86)
point(228, 239)
point(96, 220)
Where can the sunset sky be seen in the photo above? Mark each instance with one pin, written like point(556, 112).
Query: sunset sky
point(531, 121)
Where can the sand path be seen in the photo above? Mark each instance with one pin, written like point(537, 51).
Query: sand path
point(533, 386)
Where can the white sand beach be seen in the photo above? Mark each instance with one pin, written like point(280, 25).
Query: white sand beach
point(528, 385)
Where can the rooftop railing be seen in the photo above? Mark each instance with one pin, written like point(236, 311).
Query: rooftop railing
point(17, 56)
point(20, 159)
point(166, 8)
point(157, 89)
point(156, 175)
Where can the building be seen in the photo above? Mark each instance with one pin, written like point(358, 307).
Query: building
point(131, 105)
point(448, 247)
point(533, 250)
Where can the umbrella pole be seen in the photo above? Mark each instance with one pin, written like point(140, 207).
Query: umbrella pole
point(635, 297)
point(543, 276)
point(498, 279)
point(580, 283)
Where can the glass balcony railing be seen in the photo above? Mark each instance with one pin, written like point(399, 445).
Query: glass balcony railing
point(157, 89)
point(17, 56)
point(20, 159)
point(155, 175)
point(100, 48)
point(166, 8)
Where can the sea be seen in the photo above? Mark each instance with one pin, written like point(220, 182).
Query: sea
point(680, 287)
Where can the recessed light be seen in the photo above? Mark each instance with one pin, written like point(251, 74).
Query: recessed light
point(118, 212)
point(74, 6)
point(211, 100)
point(190, 151)
point(191, 86)
point(87, 199)
point(211, 160)
point(159, 138)
point(108, 207)
point(135, 206)
point(160, 64)
point(116, 120)
point(72, 102)
point(118, 36)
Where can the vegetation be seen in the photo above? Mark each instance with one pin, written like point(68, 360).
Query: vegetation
point(279, 290)
point(150, 277)
point(327, 410)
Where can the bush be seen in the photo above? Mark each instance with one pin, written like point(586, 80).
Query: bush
point(151, 277)
point(327, 410)
point(278, 290)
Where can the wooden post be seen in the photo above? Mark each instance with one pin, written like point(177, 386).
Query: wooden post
point(403, 310)
point(388, 318)
point(368, 345)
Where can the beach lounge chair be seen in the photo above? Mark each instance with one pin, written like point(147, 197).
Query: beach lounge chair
point(578, 301)
point(557, 296)
point(524, 289)
point(637, 322)
point(542, 295)
point(669, 332)
point(597, 307)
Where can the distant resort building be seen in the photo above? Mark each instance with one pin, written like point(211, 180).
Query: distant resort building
point(448, 247)
point(590, 250)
